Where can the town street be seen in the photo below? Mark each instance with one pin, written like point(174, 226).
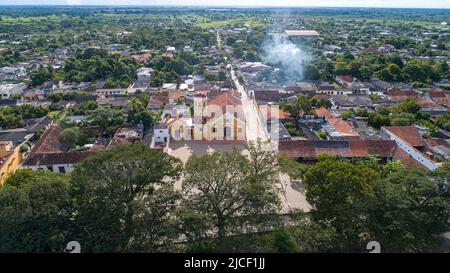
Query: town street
point(254, 128)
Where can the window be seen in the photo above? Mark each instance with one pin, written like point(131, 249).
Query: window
point(62, 169)
point(214, 129)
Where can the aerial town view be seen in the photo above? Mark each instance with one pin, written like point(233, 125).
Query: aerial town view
point(234, 128)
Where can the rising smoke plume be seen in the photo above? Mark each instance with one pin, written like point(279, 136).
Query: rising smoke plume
point(288, 56)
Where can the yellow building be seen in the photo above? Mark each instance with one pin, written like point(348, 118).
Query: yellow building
point(10, 158)
point(224, 127)
point(220, 119)
point(224, 118)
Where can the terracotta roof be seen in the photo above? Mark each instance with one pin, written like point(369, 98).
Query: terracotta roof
point(433, 142)
point(57, 158)
point(322, 111)
point(427, 103)
point(346, 78)
point(298, 148)
point(401, 95)
point(50, 150)
point(310, 149)
point(409, 134)
point(406, 159)
point(158, 99)
point(224, 100)
point(174, 94)
point(440, 97)
point(264, 96)
point(142, 57)
point(342, 126)
point(126, 134)
point(50, 142)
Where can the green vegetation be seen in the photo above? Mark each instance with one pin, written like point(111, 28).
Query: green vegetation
point(74, 137)
point(135, 207)
point(12, 116)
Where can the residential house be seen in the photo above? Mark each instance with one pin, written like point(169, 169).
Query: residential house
point(441, 97)
point(127, 134)
point(158, 101)
point(345, 80)
point(326, 88)
point(10, 158)
point(9, 90)
point(337, 128)
point(308, 89)
point(411, 146)
point(111, 92)
point(427, 105)
point(351, 101)
point(309, 150)
point(161, 136)
point(53, 154)
point(379, 85)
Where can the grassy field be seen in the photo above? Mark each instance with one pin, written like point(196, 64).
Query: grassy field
point(217, 24)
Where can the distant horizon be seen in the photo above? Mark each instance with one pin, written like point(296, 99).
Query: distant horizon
point(388, 4)
point(215, 6)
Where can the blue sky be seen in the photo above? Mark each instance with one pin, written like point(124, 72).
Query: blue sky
point(335, 3)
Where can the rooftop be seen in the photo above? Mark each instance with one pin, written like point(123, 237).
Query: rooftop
point(51, 150)
point(342, 127)
point(294, 32)
point(310, 149)
point(409, 134)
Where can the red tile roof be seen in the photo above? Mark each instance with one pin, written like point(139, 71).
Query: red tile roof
point(406, 159)
point(409, 134)
point(310, 149)
point(427, 103)
point(401, 95)
point(433, 142)
point(51, 150)
point(342, 126)
point(440, 97)
point(225, 100)
point(346, 78)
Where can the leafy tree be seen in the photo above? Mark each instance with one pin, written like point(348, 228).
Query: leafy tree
point(444, 122)
point(341, 68)
point(341, 193)
point(402, 119)
point(108, 118)
point(41, 75)
point(113, 194)
point(411, 211)
point(74, 137)
point(407, 106)
point(138, 113)
point(312, 73)
point(35, 212)
point(378, 120)
point(231, 191)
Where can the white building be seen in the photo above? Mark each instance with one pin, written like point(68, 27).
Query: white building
point(161, 133)
point(9, 90)
point(144, 74)
point(8, 70)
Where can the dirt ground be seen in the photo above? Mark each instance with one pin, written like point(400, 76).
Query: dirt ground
point(292, 194)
